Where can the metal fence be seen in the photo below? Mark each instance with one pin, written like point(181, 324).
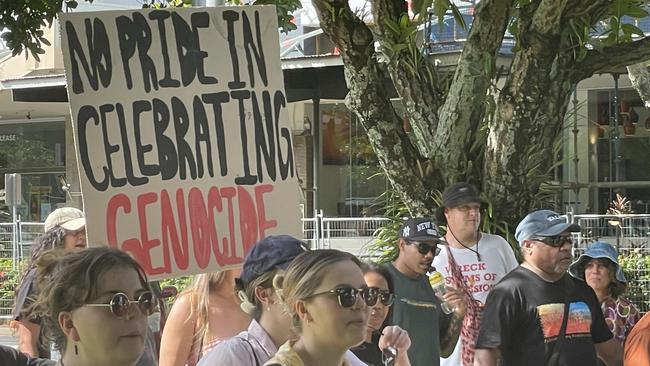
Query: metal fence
point(629, 233)
point(15, 247)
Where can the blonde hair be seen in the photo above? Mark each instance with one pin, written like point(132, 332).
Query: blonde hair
point(199, 295)
point(304, 275)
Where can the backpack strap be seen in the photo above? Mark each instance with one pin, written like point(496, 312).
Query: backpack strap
point(554, 355)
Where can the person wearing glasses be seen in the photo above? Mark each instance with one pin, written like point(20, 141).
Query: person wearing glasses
point(472, 262)
point(598, 266)
point(416, 308)
point(93, 306)
point(539, 315)
point(65, 228)
point(326, 296)
point(373, 351)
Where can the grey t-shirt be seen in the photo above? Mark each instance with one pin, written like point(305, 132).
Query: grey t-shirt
point(416, 309)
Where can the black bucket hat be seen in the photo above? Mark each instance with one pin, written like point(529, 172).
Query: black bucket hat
point(456, 195)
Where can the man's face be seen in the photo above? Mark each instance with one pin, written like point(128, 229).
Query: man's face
point(464, 218)
point(551, 254)
point(412, 256)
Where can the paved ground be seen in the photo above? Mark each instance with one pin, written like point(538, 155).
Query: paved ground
point(6, 338)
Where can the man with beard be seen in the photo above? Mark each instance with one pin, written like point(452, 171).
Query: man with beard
point(416, 308)
point(538, 314)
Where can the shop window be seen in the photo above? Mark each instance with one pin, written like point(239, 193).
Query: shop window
point(32, 145)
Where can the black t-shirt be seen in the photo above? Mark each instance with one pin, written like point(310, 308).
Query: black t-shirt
point(12, 357)
point(523, 316)
point(369, 353)
point(25, 297)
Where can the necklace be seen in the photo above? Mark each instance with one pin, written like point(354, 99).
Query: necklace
point(478, 239)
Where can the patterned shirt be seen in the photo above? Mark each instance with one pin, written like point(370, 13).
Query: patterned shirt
point(620, 316)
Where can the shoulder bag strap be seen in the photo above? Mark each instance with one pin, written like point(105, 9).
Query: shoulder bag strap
point(554, 355)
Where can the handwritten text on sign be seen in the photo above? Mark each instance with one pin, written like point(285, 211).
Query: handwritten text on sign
point(184, 150)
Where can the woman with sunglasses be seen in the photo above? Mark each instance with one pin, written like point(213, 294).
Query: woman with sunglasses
point(598, 266)
point(206, 314)
point(94, 305)
point(371, 351)
point(328, 300)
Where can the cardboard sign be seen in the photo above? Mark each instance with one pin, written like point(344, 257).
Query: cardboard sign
point(184, 150)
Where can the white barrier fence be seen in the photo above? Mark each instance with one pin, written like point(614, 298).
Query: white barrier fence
point(629, 233)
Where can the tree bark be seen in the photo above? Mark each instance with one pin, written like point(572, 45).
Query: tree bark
point(527, 115)
point(640, 79)
point(369, 100)
point(462, 113)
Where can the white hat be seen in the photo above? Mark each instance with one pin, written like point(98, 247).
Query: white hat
point(69, 218)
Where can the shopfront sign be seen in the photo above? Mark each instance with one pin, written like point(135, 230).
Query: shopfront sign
point(10, 137)
point(182, 140)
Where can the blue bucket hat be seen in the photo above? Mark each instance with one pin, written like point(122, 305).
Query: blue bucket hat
point(275, 251)
point(543, 223)
point(597, 250)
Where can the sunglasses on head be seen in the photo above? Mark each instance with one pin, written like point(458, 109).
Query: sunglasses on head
point(424, 248)
point(120, 304)
point(556, 241)
point(347, 296)
point(385, 297)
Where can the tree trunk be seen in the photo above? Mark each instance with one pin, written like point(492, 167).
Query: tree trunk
point(640, 79)
point(369, 100)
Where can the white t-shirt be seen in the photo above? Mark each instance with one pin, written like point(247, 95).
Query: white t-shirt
point(497, 259)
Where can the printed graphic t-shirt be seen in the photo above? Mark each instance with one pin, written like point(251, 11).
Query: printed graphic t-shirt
point(523, 316)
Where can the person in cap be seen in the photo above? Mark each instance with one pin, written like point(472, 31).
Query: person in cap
point(472, 261)
point(204, 315)
point(598, 266)
point(271, 325)
point(539, 315)
point(64, 228)
point(416, 308)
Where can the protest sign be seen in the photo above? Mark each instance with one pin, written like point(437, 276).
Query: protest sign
point(184, 149)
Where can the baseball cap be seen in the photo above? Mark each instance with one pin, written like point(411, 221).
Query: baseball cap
point(275, 251)
point(455, 195)
point(419, 229)
point(69, 218)
point(597, 250)
point(543, 223)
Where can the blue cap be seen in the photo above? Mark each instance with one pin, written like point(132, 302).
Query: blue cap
point(275, 251)
point(597, 250)
point(542, 223)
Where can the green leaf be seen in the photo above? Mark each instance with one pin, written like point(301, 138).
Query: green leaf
point(632, 29)
point(635, 12)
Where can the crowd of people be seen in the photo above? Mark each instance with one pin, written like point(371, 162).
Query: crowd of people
point(292, 306)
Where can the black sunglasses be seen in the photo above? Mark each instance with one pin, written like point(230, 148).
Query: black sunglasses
point(120, 304)
point(347, 296)
point(555, 241)
point(424, 248)
point(385, 297)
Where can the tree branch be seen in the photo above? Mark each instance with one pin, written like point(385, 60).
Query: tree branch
point(369, 100)
point(462, 113)
point(640, 79)
point(613, 57)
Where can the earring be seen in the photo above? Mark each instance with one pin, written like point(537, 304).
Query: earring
point(76, 350)
point(268, 308)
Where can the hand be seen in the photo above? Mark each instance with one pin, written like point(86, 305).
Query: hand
point(396, 337)
point(454, 297)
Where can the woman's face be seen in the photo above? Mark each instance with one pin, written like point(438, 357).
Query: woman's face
point(327, 319)
point(597, 274)
point(74, 239)
point(103, 337)
point(379, 311)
